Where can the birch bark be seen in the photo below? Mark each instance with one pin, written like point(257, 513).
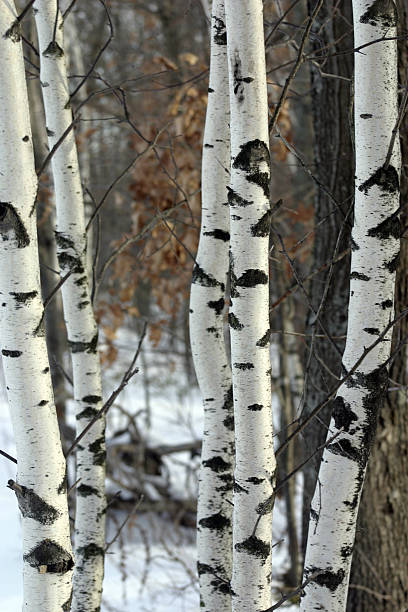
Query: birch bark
point(375, 244)
point(41, 484)
point(78, 313)
point(249, 313)
point(214, 513)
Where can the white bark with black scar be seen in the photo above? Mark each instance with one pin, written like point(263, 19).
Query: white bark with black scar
point(375, 250)
point(249, 321)
point(214, 513)
point(40, 487)
point(78, 313)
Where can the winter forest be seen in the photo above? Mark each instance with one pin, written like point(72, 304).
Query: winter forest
point(203, 320)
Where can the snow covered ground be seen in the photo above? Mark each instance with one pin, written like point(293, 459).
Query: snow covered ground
point(152, 565)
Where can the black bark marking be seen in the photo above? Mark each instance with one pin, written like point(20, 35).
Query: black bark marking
point(239, 80)
point(234, 322)
point(244, 366)
point(32, 505)
point(217, 305)
point(342, 414)
point(392, 265)
point(264, 341)
point(53, 50)
point(90, 551)
point(255, 480)
point(46, 370)
point(266, 507)
point(373, 331)
point(14, 354)
point(64, 241)
point(327, 578)
point(218, 235)
point(228, 400)
point(62, 487)
point(366, 115)
point(99, 451)
point(220, 34)
point(359, 276)
point(82, 305)
point(215, 521)
point(203, 279)
point(92, 399)
point(254, 546)
point(49, 132)
point(233, 278)
point(263, 227)
point(252, 278)
point(85, 490)
point(70, 262)
point(234, 199)
point(386, 304)
point(23, 298)
point(236, 217)
point(208, 146)
point(376, 384)
point(346, 551)
point(43, 403)
point(229, 422)
point(386, 179)
point(80, 281)
point(390, 227)
point(210, 90)
point(51, 555)
point(25, 138)
point(354, 245)
point(212, 330)
point(81, 347)
point(11, 226)
point(255, 407)
point(217, 464)
point(254, 153)
point(382, 13)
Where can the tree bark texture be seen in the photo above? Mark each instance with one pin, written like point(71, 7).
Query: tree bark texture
point(214, 514)
point(250, 220)
point(41, 480)
point(375, 253)
point(78, 313)
point(334, 168)
point(380, 581)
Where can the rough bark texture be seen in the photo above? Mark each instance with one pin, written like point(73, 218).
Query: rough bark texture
point(334, 158)
point(214, 512)
point(379, 575)
point(250, 219)
point(78, 313)
point(375, 253)
point(41, 481)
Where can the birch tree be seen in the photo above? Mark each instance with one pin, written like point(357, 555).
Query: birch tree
point(375, 252)
point(250, 216)
point(78, 313)
point(41, 484)
point(214, 513)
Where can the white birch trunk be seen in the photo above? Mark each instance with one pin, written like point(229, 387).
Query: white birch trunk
point(374, 259)
point(249, 313)
point(214, 513)
point(41, 483)
point(78, 313)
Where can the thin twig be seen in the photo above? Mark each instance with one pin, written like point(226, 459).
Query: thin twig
point(131, 513)
point(130, 372)
point(7, 456)
point(293, 593)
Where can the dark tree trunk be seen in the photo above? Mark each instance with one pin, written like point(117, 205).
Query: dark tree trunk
point(379, 576)
point(333, 150)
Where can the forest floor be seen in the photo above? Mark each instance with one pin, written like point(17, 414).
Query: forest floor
point(151, 566)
